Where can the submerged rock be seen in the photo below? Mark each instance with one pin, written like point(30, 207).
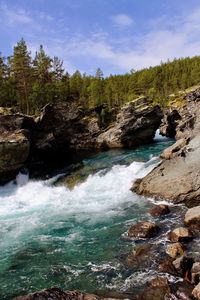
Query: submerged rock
point(159, 210)
point(144, 229)
point(158, 289)
point(57, 294)
point(135, 125)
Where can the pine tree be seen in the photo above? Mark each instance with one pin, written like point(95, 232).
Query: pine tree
point(21, 68)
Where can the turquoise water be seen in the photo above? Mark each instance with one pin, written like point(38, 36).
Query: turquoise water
point(72, 238)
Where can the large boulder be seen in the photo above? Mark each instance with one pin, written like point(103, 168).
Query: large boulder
point(180, 234)
point(192, 217)
point(144, 229)
point(15, 131)
point(135, 125)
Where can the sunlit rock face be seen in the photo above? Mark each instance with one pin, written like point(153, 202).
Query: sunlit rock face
point(135, 125)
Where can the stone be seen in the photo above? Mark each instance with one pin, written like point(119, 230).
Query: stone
point(57, 294)
point(140, 257)
point(167, 266)
point(14, 151)
point(180, 234)
point(178, 179)
point(144, 229)
point(158, 289)
point(192, 217)
point(195, 271)
point(169, 123)
point(135, 125)
point(159, 210)
point(173, 150)
point(175, 250)
point(196, 292)
point(183, 264)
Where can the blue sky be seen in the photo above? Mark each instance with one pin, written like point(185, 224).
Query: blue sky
point(115, 35)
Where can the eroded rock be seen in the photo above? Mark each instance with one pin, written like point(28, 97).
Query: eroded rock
point(135, 125)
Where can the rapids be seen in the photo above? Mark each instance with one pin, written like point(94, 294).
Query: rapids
point(51, 235)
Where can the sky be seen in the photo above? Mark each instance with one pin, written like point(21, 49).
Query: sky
point(115, 35)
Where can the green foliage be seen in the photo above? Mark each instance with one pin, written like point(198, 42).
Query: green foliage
point(30, 83)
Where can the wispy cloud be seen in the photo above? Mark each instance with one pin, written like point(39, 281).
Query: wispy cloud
point(122, 20)
point(15, 16)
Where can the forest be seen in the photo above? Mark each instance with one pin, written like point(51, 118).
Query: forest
point(30, 81)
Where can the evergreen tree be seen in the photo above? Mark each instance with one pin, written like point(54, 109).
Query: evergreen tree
point(21, 68)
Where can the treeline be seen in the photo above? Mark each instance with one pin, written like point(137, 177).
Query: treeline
point(29, 83)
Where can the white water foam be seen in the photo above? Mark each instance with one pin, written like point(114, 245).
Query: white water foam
point(36, 204)
point(159, 138)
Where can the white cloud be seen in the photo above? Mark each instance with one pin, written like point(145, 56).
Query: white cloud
point(166, 38)
point(14, 16)
point(122, 20)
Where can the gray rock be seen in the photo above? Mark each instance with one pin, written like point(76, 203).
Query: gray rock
point(135, 125)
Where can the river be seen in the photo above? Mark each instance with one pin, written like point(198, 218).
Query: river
point(53, 235)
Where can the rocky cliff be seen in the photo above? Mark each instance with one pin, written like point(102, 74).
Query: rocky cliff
point(177, 178)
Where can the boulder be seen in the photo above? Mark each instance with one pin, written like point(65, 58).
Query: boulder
point(135, 125)
point(196, 292)
point(175, 250)
point(144, 229)
point(141, 257)
point(192, 217)
point(166, 266)
point(57, 294)
point(159, 210)
point(175, 149)
point(183, 264)
point(180, 234)
point(158, 289)
point(195, 273)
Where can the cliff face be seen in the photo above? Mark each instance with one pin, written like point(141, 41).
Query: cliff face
point(135, 125)
point(177, 178)
point(63, 131)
